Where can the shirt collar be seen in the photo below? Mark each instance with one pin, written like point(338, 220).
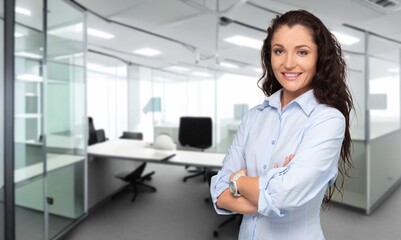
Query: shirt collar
point(306, 101)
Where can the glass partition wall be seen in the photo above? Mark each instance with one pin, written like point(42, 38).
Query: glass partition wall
point(165, 96)
point(384, 154)
point(50, 118)
point(2, 205)
point(374, 79)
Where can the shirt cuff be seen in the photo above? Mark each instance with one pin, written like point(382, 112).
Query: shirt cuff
point(265, 202)
point(215, 193)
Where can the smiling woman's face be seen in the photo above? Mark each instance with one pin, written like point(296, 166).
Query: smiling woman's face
point(293, 58)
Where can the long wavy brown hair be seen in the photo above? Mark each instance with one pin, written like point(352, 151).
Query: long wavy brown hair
point(329, 83)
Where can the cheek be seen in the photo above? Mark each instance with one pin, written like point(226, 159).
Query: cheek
point(311, 68)
point(275, 65)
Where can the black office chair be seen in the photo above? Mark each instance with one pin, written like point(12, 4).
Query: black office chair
point(196, 132)
point(95, 136)
point(135, 177)
point(132, 135)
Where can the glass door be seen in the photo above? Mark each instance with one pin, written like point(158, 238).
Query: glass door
point(29, 161)
point(50, 122)
point(65, 115)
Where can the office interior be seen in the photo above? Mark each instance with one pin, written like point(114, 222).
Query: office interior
point(141, 65)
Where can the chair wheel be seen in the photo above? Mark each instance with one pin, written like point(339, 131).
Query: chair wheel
point(215, 233)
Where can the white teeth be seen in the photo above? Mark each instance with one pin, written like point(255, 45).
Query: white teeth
point(291, 74)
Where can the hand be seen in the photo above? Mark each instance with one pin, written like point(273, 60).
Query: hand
point(242, 171)
point(287, 160)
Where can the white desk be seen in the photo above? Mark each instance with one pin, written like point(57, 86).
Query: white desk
point(141, 151)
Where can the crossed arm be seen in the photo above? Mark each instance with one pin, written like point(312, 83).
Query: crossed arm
point(247, 203)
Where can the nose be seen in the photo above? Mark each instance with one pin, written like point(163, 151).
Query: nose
point(289, 62)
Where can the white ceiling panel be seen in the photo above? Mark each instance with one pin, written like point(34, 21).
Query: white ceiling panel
point(189, 31)
point(109, 8)
point(154, 14)
point(384, 25)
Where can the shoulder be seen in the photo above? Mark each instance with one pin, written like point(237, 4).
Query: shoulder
point(323, 112)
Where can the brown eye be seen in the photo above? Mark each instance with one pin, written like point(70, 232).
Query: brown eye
point(302, 52)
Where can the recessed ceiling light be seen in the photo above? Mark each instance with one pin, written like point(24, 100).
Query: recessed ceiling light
point(345, 38)
point(99, 34)
point(149, 52)
point(23, 11)
point(228, 65)
point(201, 74)
point(245, 41)
point(177, 69)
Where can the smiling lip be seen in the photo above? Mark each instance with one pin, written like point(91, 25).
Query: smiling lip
point(291, 75)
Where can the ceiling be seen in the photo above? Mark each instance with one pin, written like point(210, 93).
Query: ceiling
point(190, 33)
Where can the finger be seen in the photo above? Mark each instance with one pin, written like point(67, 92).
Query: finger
point(287, 160)
point(275, 165)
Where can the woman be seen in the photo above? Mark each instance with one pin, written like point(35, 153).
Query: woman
point(289, 150)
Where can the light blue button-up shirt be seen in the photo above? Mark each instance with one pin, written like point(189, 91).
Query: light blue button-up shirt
point(289, 197)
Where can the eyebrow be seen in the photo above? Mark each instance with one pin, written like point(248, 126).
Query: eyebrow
point(299, 46)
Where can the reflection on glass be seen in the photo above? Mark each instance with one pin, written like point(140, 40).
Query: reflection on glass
point(107, 94)
point(28, 129)
point(64, 117)
point(49, 121)
point(384, 112)
point(384, 97)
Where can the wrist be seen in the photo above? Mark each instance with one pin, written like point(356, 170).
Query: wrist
point(233, 184)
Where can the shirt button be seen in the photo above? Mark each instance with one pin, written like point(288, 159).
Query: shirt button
point(273, 142)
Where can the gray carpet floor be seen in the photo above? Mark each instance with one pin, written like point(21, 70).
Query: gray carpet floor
point(178, 211)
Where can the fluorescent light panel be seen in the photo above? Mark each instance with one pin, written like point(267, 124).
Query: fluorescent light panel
point(149, 52)
point(228, 65)
point(345, 38)
point(23, 11)
point(245, 41)
point(177, 69)
point(100, 34)
point(201, 74)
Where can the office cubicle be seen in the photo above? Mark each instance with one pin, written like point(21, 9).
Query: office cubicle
point(225, 97)
point(374, 78)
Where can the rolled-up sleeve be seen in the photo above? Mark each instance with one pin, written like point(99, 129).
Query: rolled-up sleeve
point(233, 161)
point(312, 169)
